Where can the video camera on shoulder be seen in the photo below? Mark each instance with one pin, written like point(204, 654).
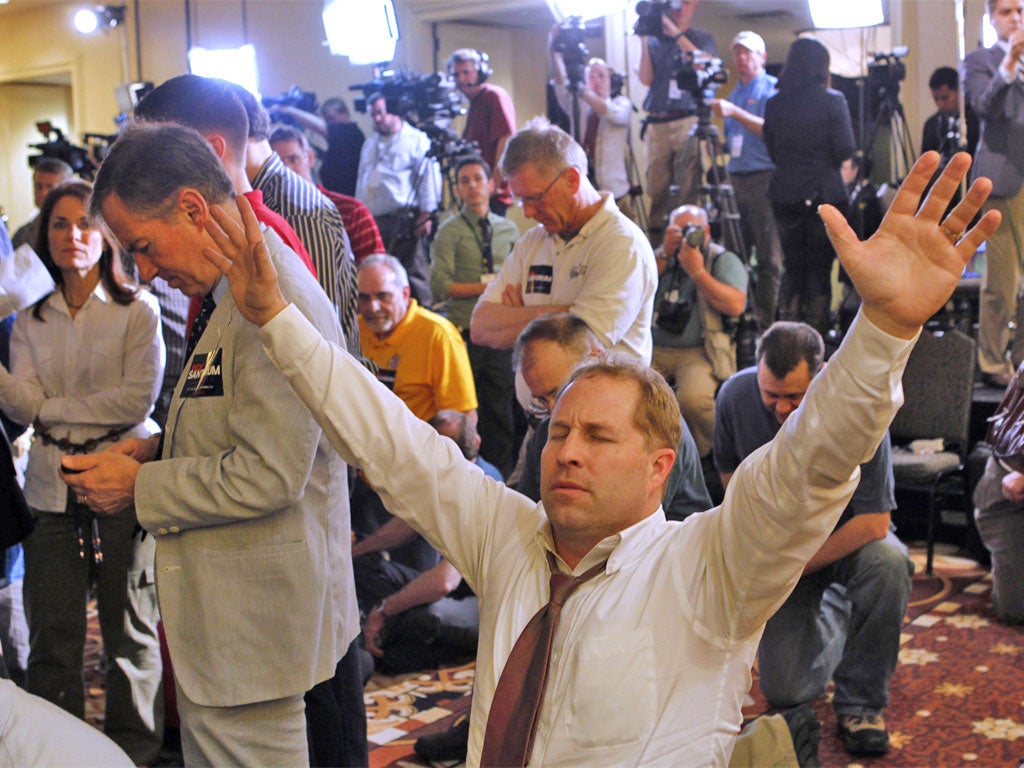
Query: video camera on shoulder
point(648, 23)
point(57, 146)
point(293, 97)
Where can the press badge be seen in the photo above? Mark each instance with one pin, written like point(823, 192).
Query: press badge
point(204, 377)
point(736, 145)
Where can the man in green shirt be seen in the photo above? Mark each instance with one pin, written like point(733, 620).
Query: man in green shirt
point(467, 252)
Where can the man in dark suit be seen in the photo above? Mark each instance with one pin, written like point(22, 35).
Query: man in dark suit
point(994, 87)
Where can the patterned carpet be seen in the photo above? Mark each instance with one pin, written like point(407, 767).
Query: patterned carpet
point(957, 697)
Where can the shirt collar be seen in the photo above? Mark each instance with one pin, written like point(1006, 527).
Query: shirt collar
point(621, 549)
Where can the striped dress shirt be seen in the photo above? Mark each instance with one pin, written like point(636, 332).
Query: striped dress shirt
point(321, 229)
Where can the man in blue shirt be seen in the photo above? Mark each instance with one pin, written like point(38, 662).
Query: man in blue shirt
point(842, 621)
point(750, 167)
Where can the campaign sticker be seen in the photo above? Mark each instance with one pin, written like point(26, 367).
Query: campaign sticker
point(204, 377)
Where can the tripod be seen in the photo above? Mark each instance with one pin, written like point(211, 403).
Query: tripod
point(636, 189)
point(715, 195)
point(901, 145)
point(714, 189)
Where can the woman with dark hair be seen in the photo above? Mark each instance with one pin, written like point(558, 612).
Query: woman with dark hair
point(808, 132)
point(86, 367)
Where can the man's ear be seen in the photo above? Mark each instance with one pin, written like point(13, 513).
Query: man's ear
point(573, 177)
point(662, 462)
point(193, 205)
point(219, 144)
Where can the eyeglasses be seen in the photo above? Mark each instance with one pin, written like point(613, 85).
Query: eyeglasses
point(535, 200)
point(541, 406)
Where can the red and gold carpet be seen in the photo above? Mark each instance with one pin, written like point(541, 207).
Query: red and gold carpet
point(957, 696)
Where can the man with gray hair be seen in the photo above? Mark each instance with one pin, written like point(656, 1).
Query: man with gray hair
point(585, 257)
point(420, 355)
point(248, 501)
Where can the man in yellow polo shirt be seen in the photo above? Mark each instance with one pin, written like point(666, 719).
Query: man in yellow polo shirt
point(421, 355)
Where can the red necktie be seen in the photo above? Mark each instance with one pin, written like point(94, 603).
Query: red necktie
point(512, 722)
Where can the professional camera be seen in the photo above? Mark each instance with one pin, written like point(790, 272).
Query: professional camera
point(693, 235)
point(569, 41)
point(703, 76)
point(885, 73)
point(416, 98)
point(673, 315)
point(293, 97)
point(57, 146)
point(649, 15)
point(429, 102)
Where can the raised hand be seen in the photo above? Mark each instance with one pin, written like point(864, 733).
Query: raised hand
point(242, 256)
point(909, 268)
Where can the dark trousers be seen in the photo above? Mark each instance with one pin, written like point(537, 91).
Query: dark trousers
point(422, 637)
point(806, 290)
point(396, 230)
point(495, 394)
point(336, 716)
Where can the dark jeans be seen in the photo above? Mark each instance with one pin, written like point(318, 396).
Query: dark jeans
point(336, 716)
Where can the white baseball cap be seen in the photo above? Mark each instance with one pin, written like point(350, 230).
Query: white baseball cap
point(750, 40)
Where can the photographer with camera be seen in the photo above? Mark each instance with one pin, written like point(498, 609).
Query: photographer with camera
point(401, 185)
point(667, 44)
point(604, 116)
point(344, 140)
point(700, 284)
point(750, 167)
point(491, 118)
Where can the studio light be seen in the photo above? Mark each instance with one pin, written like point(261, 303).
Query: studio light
point(585, 9)
point(832, 14)
point(237, 65)
point(104, 17)
point(364, 30)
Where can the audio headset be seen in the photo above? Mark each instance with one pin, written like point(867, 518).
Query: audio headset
point(483, 64)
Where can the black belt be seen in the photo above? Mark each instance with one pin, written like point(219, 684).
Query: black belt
point(668, 117)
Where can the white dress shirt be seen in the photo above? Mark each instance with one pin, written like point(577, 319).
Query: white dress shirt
point(395, 173)
point(651, 659)
point(81, 377)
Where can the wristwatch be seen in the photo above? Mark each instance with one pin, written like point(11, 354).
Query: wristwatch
point(379, 607)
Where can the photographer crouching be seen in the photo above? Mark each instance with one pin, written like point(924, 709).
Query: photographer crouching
point(701, 286)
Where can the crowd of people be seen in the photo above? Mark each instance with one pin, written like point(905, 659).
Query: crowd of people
point(339, 432)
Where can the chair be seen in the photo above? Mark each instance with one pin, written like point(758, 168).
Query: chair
point(938, 386)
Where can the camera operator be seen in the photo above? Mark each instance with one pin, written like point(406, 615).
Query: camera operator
point(671, 111)
point(604, 120)
point(994, 87)
point(693, 271)
point(401, 186)
point(344, 141)
point(491, 118)
point(750, 167)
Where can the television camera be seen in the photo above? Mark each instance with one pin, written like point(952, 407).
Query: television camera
point(293, 97)
point(649, 15)
point(84, 161)
point(429, 102)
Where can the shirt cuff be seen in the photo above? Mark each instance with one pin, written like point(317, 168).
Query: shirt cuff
point(878, 354)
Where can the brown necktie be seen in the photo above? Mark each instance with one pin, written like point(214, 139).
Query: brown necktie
point(590, 135)
point(512, 722)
